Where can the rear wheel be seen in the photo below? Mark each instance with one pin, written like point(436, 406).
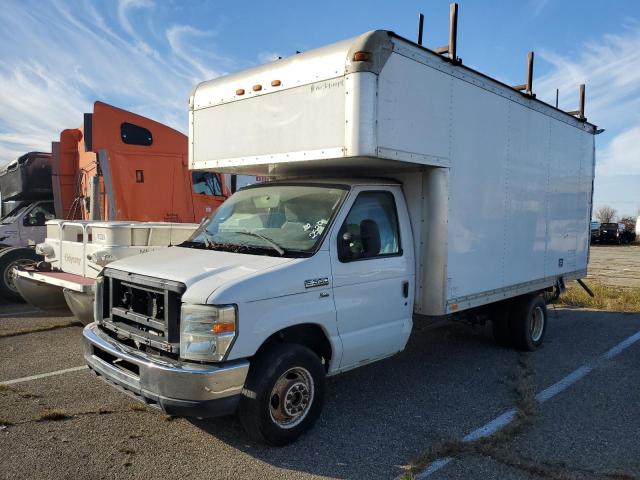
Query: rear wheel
point(284, 394)
point(10, 258)
point(529, 321)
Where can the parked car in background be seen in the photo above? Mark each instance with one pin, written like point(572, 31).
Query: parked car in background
point(612, 233)
point(629, 234)
point(595, 232)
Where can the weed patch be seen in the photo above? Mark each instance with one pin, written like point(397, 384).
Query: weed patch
point(53, 416)
point(42, 328)
point(607, 297)
point(4, 422)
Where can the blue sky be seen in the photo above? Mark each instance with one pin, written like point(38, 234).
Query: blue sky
point(56, 58)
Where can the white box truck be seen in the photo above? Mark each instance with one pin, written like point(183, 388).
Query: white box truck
point(407, 186)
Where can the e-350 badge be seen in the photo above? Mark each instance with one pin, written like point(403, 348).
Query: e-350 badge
point(316, 282)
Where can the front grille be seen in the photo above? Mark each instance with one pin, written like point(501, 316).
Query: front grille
point(143, 309)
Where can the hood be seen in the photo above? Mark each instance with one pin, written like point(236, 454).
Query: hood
point(193, 266)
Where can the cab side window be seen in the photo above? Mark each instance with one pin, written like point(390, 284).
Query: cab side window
point(39, 215)
point(206, 183)
point(371, 228)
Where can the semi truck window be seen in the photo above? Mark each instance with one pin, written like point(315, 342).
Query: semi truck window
point(371, 228)
point(135, 135)
point(39, 215)
point(206, 183)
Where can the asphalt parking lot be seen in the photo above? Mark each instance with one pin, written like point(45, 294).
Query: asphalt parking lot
point(450, 381)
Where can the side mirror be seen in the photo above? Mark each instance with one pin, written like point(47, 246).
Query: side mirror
point(347, 237)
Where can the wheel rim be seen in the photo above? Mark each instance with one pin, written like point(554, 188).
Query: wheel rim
point(537, 324)
point(9, 275)
point(291, 397)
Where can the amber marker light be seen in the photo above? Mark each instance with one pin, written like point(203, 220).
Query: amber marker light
point(240, 91)
point(276, 83)
point(257, 87)
point(361, 56)
point(219, 328)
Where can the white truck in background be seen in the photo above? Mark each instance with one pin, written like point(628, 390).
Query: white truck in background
point(74, 253)
point(407, 186)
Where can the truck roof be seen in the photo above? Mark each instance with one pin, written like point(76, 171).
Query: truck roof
point(336, 59)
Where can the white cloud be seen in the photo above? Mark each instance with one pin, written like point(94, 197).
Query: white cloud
point(610, 68)
point(622, 155)
point(57, 60)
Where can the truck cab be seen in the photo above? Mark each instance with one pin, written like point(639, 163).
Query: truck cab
point(339, 252)
point(25, 224)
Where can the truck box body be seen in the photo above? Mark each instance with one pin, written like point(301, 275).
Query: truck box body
point(498, 184)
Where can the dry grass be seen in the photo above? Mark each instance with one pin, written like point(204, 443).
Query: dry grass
point(42, 328)
point(53, 416)
point(613, 299)
point(4, 422)
point(5, 389)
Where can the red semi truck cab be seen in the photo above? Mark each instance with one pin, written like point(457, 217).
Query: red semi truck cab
point(137, 167)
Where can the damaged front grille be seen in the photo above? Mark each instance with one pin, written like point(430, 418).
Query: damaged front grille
point(143, 309)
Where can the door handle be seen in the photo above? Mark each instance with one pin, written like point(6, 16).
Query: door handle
point(405, 289)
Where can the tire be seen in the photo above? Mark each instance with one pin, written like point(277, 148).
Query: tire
point(529, 321)
point(279, 371)
point(500, 324)
point(10, 258)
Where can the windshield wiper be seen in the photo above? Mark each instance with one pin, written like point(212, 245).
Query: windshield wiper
point(271, 243)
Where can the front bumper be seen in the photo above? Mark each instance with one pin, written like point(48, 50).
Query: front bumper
point(177, 388)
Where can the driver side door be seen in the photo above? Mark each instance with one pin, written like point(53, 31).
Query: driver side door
point(373, 275)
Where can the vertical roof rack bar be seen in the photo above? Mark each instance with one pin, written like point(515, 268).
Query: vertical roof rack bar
point(451, 48)
point(453, 31)
point(580, 112)
point(420, 26)
point(527, 87)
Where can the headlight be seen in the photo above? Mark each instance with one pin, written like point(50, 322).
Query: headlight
point(206, 331)
point(101, 257)
point(45, 250)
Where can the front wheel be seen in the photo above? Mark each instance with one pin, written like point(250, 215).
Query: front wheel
point(283, 394)
point(529, 321)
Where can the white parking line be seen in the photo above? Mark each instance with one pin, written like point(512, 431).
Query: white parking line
point(507, 417)
point(43, 375)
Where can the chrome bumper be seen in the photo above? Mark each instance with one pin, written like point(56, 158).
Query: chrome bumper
point(178, 388)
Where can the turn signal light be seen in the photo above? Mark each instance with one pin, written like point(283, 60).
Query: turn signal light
point(240, 91)
point(257, 88)
point(361, 56)
point(275, 83)
point(219, 328)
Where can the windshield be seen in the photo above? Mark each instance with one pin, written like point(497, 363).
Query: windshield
point(274, 220)
point(13, 215)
